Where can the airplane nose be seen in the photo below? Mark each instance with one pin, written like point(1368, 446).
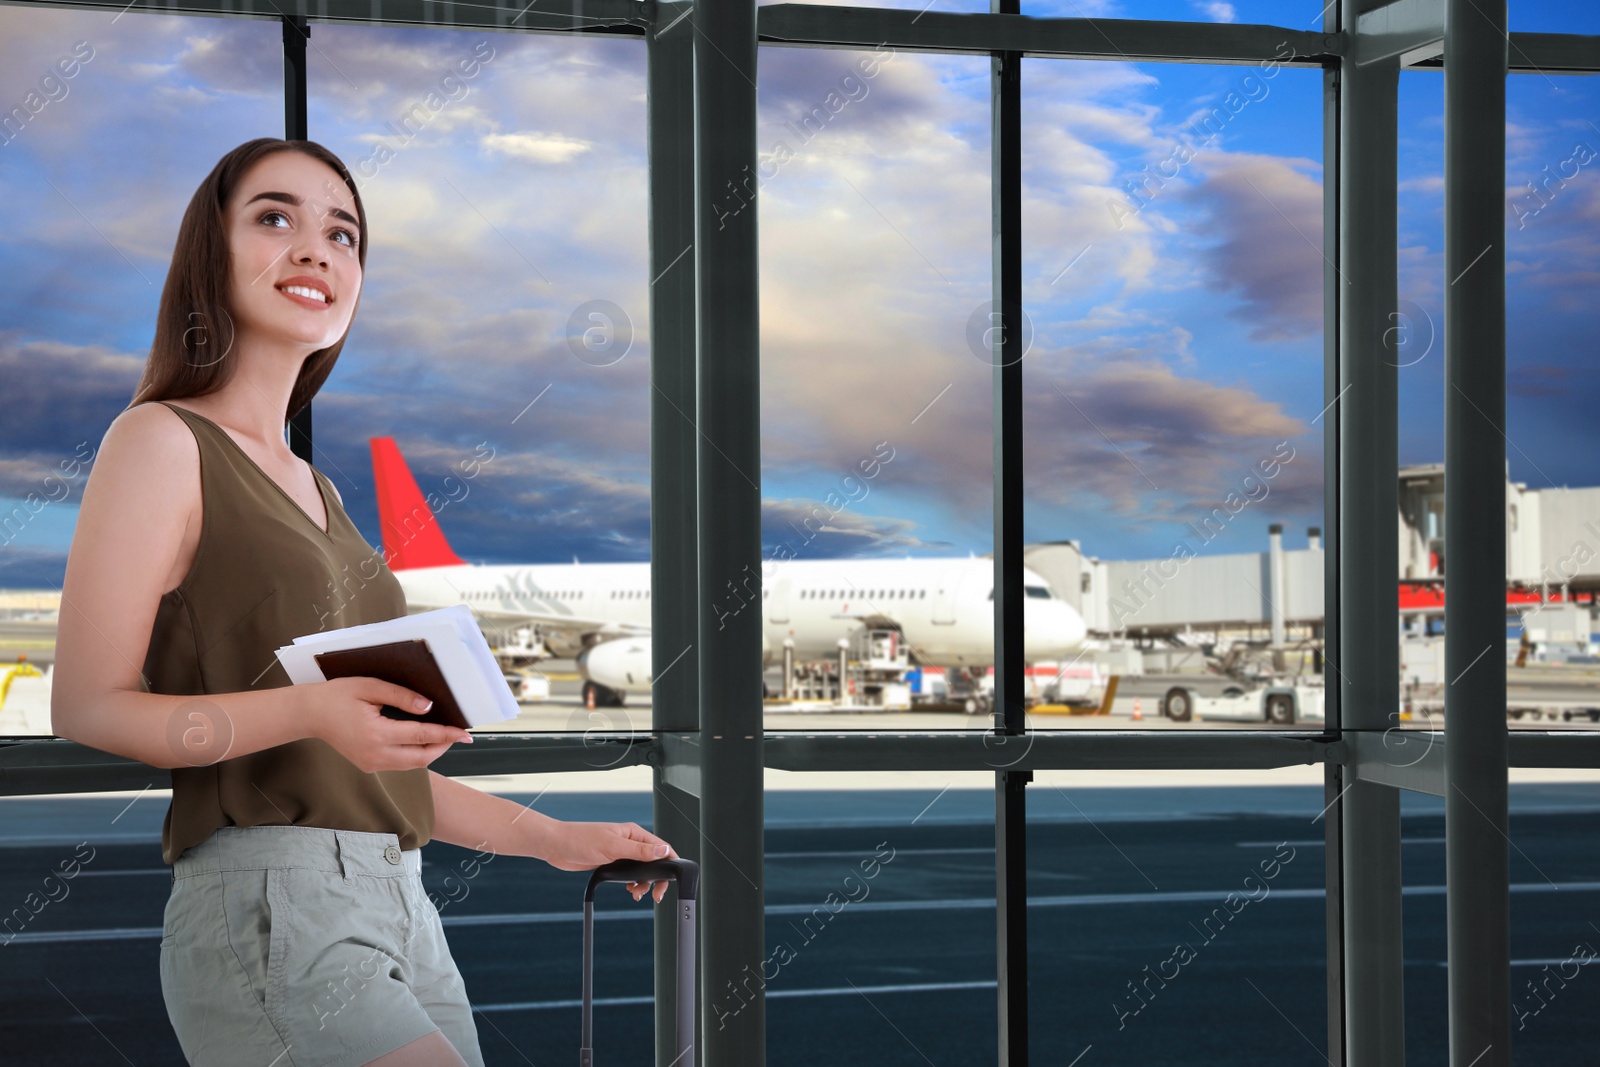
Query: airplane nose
point(1051, 629)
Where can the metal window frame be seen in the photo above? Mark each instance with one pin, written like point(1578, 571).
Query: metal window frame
point(708, 745)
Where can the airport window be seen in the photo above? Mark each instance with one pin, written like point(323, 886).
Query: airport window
point(1232, 310)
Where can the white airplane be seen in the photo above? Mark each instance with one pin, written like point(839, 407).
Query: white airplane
point(599, 613)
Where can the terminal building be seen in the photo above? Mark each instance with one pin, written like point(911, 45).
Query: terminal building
point(1552, 554)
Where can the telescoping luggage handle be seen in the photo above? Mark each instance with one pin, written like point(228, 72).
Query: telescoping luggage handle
point(687, 874)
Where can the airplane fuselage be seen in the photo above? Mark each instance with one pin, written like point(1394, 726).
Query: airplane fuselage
point(941, 606)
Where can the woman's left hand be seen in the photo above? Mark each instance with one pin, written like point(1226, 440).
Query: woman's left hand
point(583, 846)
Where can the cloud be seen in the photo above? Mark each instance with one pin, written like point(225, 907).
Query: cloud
point(539, 147)
point(813, 529)
point(1143, 438)
point(1538, 380)
point(59, 395)
point(1216, 11)
point(1265, 214)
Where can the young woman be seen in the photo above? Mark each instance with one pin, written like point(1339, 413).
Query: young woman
point(298, 932)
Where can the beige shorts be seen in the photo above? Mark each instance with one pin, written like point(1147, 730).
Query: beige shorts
point(298, 946)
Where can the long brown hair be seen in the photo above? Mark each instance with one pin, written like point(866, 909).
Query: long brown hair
point(194, 324)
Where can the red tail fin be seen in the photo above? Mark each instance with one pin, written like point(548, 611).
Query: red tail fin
point(411, 534)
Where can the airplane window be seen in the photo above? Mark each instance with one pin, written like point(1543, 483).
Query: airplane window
point(1038, 591)
point(923, 593)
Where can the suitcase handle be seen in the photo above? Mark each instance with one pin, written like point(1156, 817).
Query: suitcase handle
point(687, 874)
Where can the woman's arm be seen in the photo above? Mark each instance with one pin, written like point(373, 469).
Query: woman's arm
point(471, 818)
point(142, 493)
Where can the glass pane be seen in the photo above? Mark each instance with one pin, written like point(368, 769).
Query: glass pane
point(1290, 14)
point(1178, 917)
point(1552, 16)
point(111, 123)
point(1553, 557)
point(1553, 940)
point(1418, 355)
point(953, 7)
point(1553, 499)
point(875, 414)
point(1553, 937)
point(1173, 279)
point(500, 367)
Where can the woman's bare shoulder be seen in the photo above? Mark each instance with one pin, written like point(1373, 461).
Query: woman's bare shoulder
point(152, 426)
point(150, 451)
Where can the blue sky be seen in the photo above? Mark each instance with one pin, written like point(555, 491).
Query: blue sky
point(1175, 344)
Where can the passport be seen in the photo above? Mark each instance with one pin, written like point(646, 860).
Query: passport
point(409, 663)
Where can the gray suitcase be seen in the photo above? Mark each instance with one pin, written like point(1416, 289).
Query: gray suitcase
point(687, 874)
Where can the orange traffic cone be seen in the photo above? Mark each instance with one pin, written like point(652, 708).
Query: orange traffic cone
point(1138, 713)
point(588, 697)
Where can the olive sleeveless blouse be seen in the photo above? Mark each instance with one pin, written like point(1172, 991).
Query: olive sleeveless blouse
point(265, 573)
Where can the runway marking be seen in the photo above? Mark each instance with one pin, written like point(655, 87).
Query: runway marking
point(772, 994)
point(985, 850)
point(1076, 900)
point(1319, 842)
point(167, 871)
point(1538, 963)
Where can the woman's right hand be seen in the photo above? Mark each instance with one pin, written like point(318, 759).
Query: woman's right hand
point(345, 712)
